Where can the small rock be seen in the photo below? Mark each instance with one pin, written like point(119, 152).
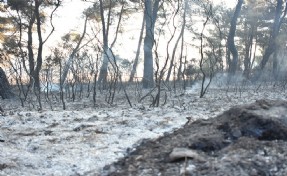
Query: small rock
point(236, 133)
point(181, 153)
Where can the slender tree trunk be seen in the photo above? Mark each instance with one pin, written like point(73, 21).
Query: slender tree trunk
point(136, 61)
point(151, 16)
point(220, 60)
point(248, 50)
point(72, 55)
point(230, 39)
point(201, 62)
point(179, 72)
point(176, 45)
point(102, 80)
point(118, 26)
point(275, 64)
point(30, 49)
point(39, 61)
point(40, 47)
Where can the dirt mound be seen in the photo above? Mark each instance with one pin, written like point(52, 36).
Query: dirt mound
point(245, 140)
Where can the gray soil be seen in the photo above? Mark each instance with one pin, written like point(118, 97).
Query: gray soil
point(245, 140)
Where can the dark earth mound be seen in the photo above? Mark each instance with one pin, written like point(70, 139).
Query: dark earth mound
point(245, 140)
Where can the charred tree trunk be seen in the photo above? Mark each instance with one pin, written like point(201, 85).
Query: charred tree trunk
point(248, 50)
point(38, 67)
point(30, 49)
point(5, 90)
point(230, 39)
point(150, 19)
point(102, 80)
point(134, 70)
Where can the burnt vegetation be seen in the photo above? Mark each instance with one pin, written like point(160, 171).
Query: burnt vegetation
point(242, 141)
point(178, 50)
point(238, 47)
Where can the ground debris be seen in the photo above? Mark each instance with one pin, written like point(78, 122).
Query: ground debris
point(245, 140)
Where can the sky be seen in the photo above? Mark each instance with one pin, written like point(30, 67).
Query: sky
point(69, 18)
point(70, 14)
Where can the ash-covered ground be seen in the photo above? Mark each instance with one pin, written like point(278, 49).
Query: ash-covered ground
point(85, 140)
point(245, 140)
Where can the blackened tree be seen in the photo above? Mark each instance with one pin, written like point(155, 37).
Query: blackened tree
point(230, 40)
point(5, 89)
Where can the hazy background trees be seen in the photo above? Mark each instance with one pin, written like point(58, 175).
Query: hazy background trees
point(172, 45)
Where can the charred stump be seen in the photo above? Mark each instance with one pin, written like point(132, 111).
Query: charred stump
point(5, 89)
